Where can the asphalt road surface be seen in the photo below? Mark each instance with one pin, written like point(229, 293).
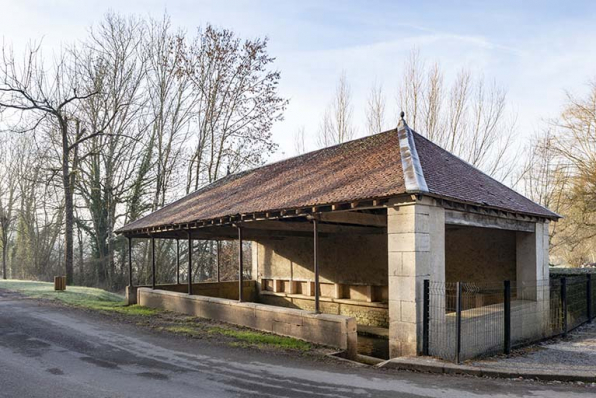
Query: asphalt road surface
point(49, 351)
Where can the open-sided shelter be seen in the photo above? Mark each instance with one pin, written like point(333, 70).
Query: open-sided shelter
point(352, 231)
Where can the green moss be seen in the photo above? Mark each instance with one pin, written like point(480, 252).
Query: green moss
point(259, 339)
point(187, 330)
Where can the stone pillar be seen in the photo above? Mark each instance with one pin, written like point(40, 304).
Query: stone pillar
point(532, 258)
point(416, 246)
point(532, 269)
point(254, 272)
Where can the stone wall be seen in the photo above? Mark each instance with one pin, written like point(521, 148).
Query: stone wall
point(227, 290)
point(481, 255)
point(370, 314)
point(331, 330)
point(349, 259)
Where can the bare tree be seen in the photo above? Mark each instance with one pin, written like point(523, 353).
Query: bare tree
point(111, 58)
point(237, 103)
point(469, 118)
point(574, 144)
point(300, 145)
point(48, 98)
point(117, 125)
point(8, 195)
point(375, 109)
point(336, 126)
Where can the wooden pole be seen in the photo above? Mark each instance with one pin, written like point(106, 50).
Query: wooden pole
point(218, 260)
point(240, 263)
point(130, 262)
point(189, 264)
point(177, 261)
point(152, 262)
point(315, 224)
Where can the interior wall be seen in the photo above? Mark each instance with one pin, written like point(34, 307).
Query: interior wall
point(350, 259)
point(481, 255)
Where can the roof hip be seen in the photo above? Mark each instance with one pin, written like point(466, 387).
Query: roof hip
point(412, 169)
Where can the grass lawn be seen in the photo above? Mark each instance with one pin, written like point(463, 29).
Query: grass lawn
point(78, 296)
point(101, 300)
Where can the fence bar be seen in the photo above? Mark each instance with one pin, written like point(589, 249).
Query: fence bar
point(507, 317)
point(589, 296)
point(152, 262)
point(458, 322)
point(130, 261)
point(564, 304)
point(189, 263)
point(425, 316)
point(240, 263)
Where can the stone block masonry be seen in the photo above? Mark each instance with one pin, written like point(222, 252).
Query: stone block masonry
point(331, 330)
point(227, 290)
point(416, 251)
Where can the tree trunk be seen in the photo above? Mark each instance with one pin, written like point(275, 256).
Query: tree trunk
point(68, 206)
point(4, 261)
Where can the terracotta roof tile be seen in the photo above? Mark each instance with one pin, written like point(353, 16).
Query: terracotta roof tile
point(365, 168)
point(450, 177)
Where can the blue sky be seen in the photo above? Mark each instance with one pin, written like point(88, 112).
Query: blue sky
point(536, 50)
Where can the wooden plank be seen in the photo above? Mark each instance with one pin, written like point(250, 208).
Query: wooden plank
point(453, 217)
point(355, 218)
point(307, 227)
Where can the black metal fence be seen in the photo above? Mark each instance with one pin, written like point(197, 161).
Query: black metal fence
point(465, 320)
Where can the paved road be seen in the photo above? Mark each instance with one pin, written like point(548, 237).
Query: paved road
point(47, 351)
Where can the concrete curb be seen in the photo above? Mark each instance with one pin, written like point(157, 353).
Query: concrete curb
point(429, 365)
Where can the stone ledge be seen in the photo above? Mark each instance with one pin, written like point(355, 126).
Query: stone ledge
point(327, 299)
point(331, 330)
point(432, 365)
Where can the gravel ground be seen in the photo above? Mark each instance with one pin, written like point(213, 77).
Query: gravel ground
point(575, 353)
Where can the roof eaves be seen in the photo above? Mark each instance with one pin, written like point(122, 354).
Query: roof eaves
point(412, 169)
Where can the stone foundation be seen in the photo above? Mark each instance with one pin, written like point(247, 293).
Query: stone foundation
point(227, 290)
point(365, 313)
point(331, 330)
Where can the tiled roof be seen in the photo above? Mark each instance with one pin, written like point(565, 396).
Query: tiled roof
point(366, 168)
point(450, 177)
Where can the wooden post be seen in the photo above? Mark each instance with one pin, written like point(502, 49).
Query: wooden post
point(152, 262)
point(130, 261)
point(177, 261)
point(189, 264)
point(59, 283)
point(316, 262)
point(240, 263)
point(218, 260)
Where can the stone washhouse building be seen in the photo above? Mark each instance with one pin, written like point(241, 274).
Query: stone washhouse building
point(345, 236)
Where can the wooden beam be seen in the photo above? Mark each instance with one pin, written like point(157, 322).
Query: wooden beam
point(299, 226)
point(355, 218)
point(453, 217)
